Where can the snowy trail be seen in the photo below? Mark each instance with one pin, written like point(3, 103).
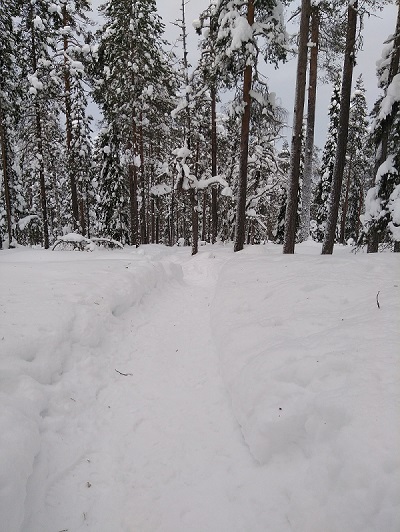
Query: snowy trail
point(135, 401)
point(168, 453)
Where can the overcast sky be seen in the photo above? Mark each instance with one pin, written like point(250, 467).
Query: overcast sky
point(282, 81)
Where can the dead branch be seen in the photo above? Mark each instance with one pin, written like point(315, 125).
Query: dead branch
point(125, 374)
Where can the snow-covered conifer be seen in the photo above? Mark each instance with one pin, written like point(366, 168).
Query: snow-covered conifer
point(322, 191)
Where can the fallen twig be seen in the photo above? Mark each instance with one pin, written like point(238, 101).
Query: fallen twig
point(377, 300)
point(125, 374)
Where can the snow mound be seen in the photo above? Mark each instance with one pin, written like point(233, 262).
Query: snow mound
point(73, 301)
point(312, 367)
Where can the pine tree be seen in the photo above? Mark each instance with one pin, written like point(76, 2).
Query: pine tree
point(295, 152)
point(241, 24)
point(355, 11)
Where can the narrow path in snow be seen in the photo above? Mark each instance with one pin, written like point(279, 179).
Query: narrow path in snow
point(166, 453)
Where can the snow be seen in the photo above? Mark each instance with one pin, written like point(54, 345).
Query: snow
point(148, 390)
point(26, 220)
point(392, 96)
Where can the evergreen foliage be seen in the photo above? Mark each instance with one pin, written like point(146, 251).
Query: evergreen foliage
point(322, 191)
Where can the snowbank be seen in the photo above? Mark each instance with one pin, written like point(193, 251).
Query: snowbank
point(56, 309)
point(312, 367)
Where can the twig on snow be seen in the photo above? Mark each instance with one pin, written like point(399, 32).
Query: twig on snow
point(125, 374)
point(377, 299)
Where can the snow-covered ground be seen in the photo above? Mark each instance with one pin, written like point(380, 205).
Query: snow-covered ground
point(147, 390)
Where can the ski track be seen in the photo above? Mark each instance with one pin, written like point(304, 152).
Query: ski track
point(169, 455)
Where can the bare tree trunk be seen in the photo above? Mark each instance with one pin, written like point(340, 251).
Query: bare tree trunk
point(39, 142)
point(133, 186)
point(345, 205)
point(382, 148)
point(340, 160)
point(240, 226)
point(295, 153)
point(68, 124)
point(204, 213)
point(214, 192)
point(312, 97)
point(4, 160)
point(133, 203)
point(143, 209)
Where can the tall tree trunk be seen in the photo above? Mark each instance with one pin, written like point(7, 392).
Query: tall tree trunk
point(204, 216)
point(240, 226)
point(309, 152)
point(143, 209)
point(340, 159)
point(68, 123)
point(382, 148)
point(193, 191)
point(295, 153)
point(133, 188)
point(39, 142)
point(4, 161)
point(133, 203)
point(214, 192)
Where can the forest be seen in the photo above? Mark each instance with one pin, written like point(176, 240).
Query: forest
point(194, 153)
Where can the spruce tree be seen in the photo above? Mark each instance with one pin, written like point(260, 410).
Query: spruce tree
point(381, 219)
point(323, 188)
point(357, 165)
point(131, 68)
point(38, 24)
point(9, 104)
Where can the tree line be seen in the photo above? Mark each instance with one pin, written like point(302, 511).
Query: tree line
point(187, 154)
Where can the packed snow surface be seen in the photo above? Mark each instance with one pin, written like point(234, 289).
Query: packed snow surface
point(147, 390)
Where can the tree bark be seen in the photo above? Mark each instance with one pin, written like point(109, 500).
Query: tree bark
point(68, 124)
point(340, 160)
point(240, 226)
point(214, 192)
point(39, 142)
point(295, 153)
point(143, 209)
point(4, 160)
point(309, 152)
point(133, 186)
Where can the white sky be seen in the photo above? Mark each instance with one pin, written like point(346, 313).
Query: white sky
point(282, 81)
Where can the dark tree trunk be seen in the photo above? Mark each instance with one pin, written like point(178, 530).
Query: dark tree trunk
point(6, 177)
point(340, 160)
point(39, 143)
point(204, 216)
point(312, 97)
point(295, 153)
point(143, 209)
point(133, 188)
point(133, 204)
point(345, 206)
point(240, 226)
point(214, 192)
point(68, 125)
point(195, 221)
